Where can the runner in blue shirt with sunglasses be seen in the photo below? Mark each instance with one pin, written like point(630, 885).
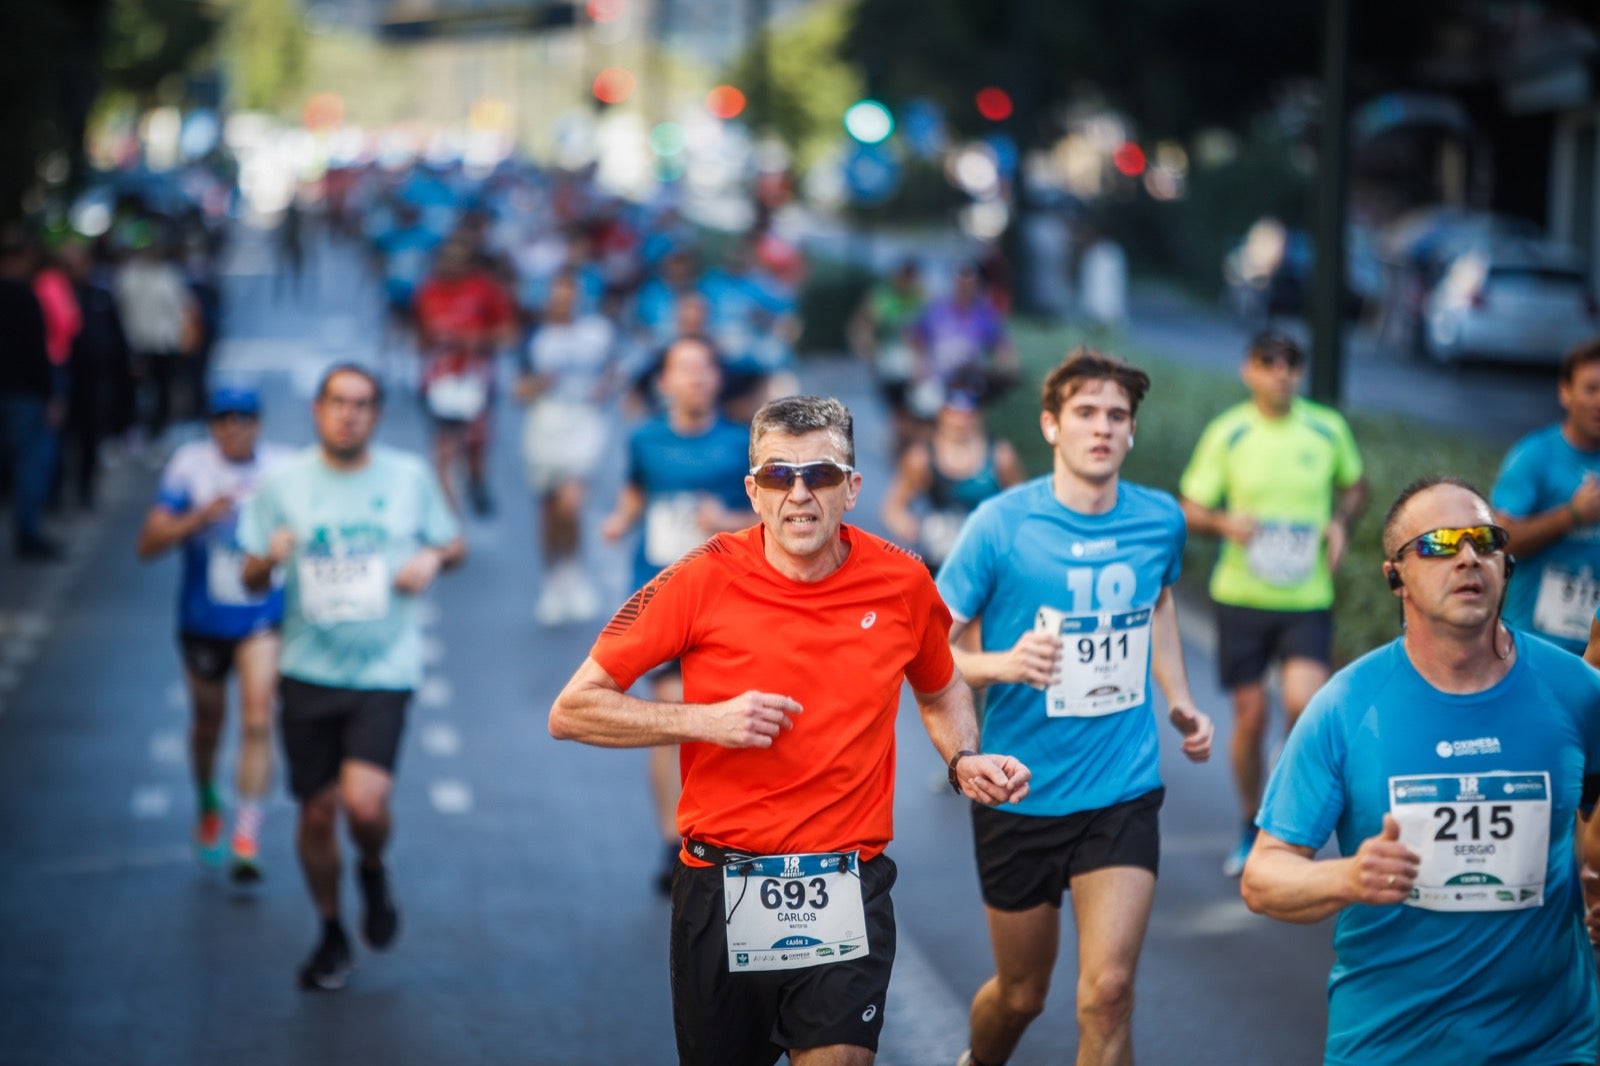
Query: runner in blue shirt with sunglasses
point(1548, 498)
point(1450, 763)
point(1071, 577)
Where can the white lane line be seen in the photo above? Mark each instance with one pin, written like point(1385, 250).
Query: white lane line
point(440, 739)
point(435, 692)
point(926, 1022)
point(167, 748)
point(450, 796)
point(151, 801)
point(1225, 917)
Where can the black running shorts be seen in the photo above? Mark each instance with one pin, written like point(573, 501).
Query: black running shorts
point(751, 1019)
point(208, 658)
point(1250, 640)
point(322, 727)
point(1025, 860)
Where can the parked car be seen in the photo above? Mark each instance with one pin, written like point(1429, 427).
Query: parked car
point(1524, 301)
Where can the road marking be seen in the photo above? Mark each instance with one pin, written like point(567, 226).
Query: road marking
point(926, 1022)
point(167, 747)
point(435, 692)
point(450, 796)
point(1224, 917)
point(151, 801)
point(440, 739)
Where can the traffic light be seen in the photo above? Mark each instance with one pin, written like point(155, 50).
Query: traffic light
point(868, 121)
point(994, 103)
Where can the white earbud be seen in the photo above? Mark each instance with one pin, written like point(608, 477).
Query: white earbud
point(1130, 441)
point(1050, 436)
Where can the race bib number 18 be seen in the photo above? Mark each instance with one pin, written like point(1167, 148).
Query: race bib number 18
point(785, 912)
point(1484, 839)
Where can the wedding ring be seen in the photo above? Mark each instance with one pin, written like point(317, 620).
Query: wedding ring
point(1391, 880)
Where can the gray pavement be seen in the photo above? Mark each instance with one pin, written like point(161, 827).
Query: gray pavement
point(522, 865)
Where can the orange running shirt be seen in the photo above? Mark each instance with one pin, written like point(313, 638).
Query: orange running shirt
point(840, 647)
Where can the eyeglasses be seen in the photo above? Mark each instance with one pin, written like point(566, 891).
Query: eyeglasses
point(823, 474)
point(1486, 540)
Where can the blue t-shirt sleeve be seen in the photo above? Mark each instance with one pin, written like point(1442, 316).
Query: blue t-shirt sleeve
point(966, 580)
point(1306, 793)
point(1516, 490)
point(1180, 537)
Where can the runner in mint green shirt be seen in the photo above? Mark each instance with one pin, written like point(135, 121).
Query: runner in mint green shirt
point(1279, 480)
point(360, 533)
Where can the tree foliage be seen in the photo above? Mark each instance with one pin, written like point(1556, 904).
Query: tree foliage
point(806, 83)
point(268, 50)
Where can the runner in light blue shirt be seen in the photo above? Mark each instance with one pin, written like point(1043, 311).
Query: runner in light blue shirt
point(360, 533)
point(1450, 765)
point(1548, 498)
point(1071, 578)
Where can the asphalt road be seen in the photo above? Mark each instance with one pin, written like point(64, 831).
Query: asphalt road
point(522, 866)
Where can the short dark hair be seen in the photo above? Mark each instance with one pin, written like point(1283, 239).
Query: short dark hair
point(798, 415)
point(1582, 355)
point(1407, 494)
point(1271, 344)
point(1086, 364)
point(351, 368)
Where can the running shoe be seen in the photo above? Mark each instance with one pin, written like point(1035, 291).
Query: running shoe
point(329, 966)
point(243, 865)
point(1233, 865)
point(208, 837)
point(380, 921)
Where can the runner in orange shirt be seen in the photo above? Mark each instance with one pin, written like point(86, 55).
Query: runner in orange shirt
point(782, 930)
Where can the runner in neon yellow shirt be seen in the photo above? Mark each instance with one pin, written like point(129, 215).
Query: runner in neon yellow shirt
point(1279, 480)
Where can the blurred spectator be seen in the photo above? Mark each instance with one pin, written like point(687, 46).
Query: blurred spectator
point(1103, 279)
point(95, 370)
point(290, 238)
point(161, 320)
point(29, 409)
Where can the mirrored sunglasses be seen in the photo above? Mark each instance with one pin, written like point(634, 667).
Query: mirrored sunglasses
point(1485, 540)
point(823, 474)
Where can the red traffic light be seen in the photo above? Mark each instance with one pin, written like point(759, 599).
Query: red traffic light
point(994, 104)
point(1128, 159)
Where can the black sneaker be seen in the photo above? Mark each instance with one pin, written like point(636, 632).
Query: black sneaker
point(381, 920)
point(329, 966)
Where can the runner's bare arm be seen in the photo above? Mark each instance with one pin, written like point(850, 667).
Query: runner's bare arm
point(165, 529)
point(256, 574)
point(1286, 881)
point(1216, 522)
point(1166, 664)
point(593, 709)
point(418, 572)
point(1531, 534)
point(952, 724)
point(1030, 661)
point(630, 505)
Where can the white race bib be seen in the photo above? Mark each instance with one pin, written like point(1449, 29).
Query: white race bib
point(1282, 553)
point(671, 528)
point(1104, 661)
point(1566, 603)
point(785, 912)
point(1484, 839)
point(225, 577)
point(344, 588)
point(458, 397)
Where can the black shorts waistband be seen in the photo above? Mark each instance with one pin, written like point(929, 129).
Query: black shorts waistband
point(714, 855)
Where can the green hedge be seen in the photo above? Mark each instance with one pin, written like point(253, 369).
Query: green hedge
point(1183, 399)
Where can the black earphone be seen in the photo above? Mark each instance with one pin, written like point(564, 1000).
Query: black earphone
point(1392, 572)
